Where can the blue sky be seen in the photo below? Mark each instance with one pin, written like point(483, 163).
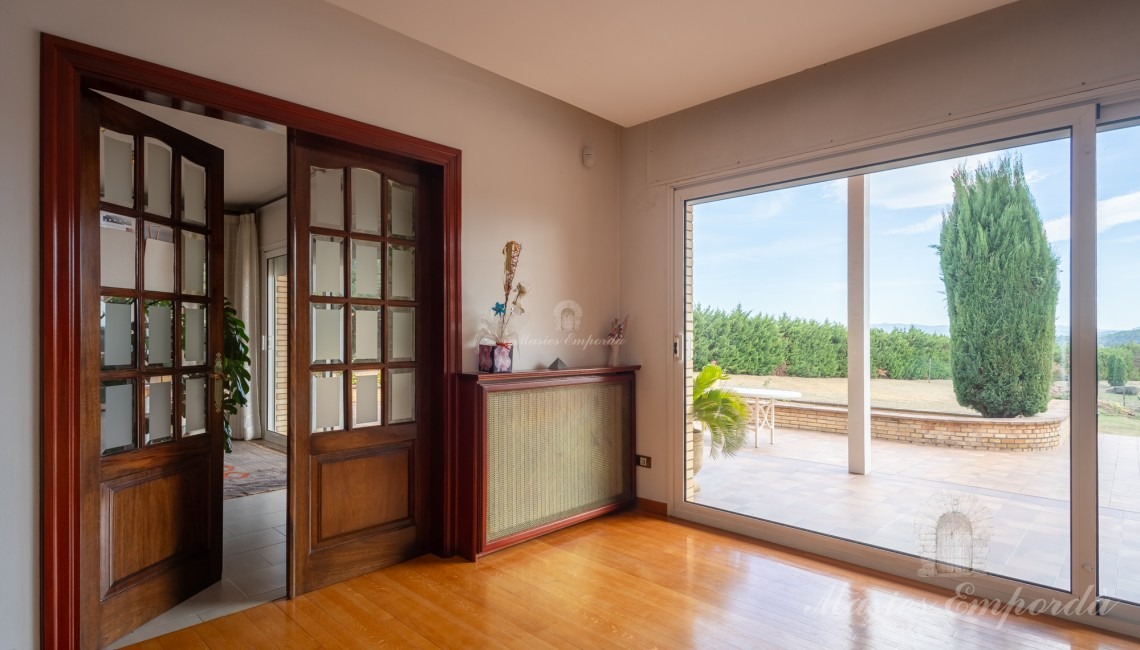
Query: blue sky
point(785, 250)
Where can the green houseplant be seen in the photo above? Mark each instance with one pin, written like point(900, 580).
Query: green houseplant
point(722, 412)
point(235, 369)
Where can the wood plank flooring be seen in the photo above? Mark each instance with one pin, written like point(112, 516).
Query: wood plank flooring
point(630, 580)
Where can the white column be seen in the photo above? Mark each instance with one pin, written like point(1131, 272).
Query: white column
point(1083, 383)
point(858, 331)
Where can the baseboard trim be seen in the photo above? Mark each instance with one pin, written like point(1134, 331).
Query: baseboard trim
point(653, 507)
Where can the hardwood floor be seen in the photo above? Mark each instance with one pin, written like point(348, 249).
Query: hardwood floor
point(631, 581)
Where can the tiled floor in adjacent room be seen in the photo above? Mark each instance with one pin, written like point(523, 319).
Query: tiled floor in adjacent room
point(253, 567)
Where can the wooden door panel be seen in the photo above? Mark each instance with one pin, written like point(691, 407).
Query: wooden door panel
point(127, 610)
point(363, 363)
point(385, 475)
point(152, 457)
point(153, 519)
point(333, 564)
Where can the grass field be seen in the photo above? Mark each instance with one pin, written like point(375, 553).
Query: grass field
point(1117, 415)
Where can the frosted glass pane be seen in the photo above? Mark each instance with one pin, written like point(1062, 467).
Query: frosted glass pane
point(327, 198)
point(159, 334)
point(328, 267)
point(159, 410)
point(328, 401)
point(158, 258)
point(401, 334)
point(366, 398)
point(194, 406)
point(328, 334)
point(193, 192)
point(365, 201)
point(401, 395)
point(401, 273)
point(193, 335)
point(159, 177)
point(365, 334)
point(193, 263)
point(117, 416)
point(116, 251)
point(402, 201)
point(365, 269)
point(117, 171)
point(118, 333)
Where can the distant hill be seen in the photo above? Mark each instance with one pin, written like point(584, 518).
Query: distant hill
point(1109, 339)
point(944, 330)
point(1106, 338)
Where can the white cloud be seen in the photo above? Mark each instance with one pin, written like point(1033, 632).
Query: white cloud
point(922, 186)
point(795, 247)
point(1117, 211)
point(1110, 213)
point(836, 190)
point(1057, 230)
point(926, 225)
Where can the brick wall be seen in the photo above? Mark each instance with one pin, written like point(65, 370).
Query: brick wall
point(281, 356)
point(1036, 433)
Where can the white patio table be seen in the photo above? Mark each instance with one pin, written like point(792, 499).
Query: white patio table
point(765, 401)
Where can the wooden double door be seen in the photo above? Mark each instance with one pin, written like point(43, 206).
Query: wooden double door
point(364, 380)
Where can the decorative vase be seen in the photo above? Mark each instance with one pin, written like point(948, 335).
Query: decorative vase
point(503, 357)
point(496, 357)
point(486, 358)
point(615, 350)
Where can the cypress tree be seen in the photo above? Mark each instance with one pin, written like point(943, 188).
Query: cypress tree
point(1000, 275)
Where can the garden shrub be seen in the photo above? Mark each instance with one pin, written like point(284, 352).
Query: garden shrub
point(1000, 275)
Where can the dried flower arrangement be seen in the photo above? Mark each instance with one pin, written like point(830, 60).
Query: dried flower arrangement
point(497, 333)
point(615, 339)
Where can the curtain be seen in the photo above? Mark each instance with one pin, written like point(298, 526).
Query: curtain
point(243, 263)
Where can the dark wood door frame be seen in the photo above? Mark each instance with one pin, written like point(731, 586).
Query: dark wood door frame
point(66, 67)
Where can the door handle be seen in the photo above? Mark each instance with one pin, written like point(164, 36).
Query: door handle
point(217, 376)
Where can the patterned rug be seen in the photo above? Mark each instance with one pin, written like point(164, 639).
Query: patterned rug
point(252, 468)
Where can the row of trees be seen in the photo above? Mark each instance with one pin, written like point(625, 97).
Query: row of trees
point(759, 344)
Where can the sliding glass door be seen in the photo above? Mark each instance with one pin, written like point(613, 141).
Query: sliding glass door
point(1118, 357)
point(973, 288)
point(968, 467)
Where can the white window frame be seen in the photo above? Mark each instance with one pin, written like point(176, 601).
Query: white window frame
point(267, 343)
point(1080, 118)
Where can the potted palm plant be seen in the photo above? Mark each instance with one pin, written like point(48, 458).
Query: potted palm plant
point(234, 369)
point(723, 413)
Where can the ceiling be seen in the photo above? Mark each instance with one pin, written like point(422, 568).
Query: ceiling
point(255, 162)
point(631, 61)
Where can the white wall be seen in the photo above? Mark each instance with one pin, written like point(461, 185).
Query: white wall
point(1020, 53)
point(522, 180)
point(273, 225)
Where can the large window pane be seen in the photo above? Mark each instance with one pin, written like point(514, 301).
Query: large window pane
point(769, 308)
point(970, 412)
point(1118, 337)
point(970, 472)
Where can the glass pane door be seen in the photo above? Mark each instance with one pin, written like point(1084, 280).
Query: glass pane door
point(1118, 361)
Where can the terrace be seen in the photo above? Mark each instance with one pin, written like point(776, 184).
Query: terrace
point(1020, 499)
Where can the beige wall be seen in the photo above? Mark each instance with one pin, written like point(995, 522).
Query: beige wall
point(273, 225)
point(522, 180)
point(1025, 52)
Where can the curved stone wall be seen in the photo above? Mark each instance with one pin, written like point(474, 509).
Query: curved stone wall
point(1036, 433)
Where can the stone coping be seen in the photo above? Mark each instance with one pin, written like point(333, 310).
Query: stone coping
point(1035, 433)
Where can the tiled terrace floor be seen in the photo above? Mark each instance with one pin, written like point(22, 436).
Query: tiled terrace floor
point(802, 480)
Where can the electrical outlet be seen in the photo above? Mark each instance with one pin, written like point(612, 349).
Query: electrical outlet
point(644, 461)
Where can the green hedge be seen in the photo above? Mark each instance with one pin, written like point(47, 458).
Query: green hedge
point(758, 344)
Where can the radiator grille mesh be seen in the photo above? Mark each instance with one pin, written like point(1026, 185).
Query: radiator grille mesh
point(553, 453)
